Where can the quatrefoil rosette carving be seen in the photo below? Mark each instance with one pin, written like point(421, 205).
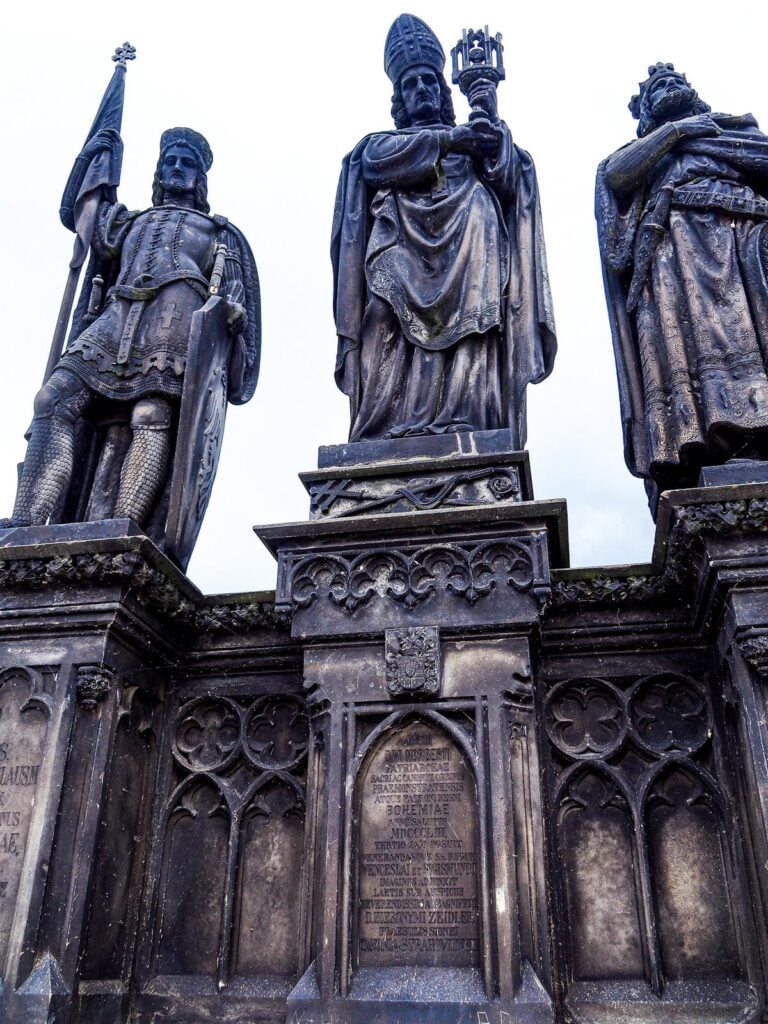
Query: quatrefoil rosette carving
point(276, 733)
point(213, 732)
point(586, 718)
point(662, 714)
point(670, 714)
point(207, 734)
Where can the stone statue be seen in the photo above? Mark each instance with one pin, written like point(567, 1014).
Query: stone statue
point(682, 215)
point(129, 421)
point(441, 294)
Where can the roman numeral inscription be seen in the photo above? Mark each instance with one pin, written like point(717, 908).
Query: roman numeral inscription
point(417, 880)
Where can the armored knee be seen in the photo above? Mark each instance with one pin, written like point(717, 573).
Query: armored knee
point(152, 414)
point(63, 395)
point(46, 401)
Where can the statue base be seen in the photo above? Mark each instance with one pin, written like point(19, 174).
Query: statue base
point(436, 776)
point(418, 474)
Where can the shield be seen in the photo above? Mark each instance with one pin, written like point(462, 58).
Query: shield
point(201, 428)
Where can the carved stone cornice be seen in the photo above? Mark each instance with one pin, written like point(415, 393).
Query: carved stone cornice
point(746, 515)
point(604, 589)
point(240, 618)
point(690, 522)
point(150, 586)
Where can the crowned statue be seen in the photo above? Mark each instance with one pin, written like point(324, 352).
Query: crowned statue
point(683, 225)
point(129, 420)
point(441, 294)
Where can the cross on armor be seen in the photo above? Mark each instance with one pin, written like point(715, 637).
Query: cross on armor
point(169, 315)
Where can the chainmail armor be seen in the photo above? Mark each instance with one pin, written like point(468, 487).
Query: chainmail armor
point(144, 472)
point(48, 462)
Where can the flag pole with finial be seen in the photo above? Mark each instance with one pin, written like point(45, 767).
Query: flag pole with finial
point(91, 177)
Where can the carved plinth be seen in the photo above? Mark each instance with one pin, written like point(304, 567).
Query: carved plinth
point(427, 847)
point(477, 566)
point(113, 667)
point(418, 474)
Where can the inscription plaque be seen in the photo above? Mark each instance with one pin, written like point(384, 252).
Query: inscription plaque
point(417, 868)
point(23, 727)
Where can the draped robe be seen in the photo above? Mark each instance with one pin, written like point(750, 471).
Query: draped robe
point(442, 299)
point(685, 258)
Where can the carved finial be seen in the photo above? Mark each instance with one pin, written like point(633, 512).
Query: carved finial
point(93, 684)
point(476, 52)
point(124, 53)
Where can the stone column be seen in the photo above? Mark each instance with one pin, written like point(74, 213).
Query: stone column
point(82, 646)
point(425, 850)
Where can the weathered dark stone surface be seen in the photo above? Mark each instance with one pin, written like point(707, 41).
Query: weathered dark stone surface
point(418, 474)
point(103, 645)
point(418, 851)
point(735, 471)
point(436, 777)
point(451, 567)
point(404, 486)
point(203, 818)
point(166, 331)
point(441, 293)
point(681, 220)
point(414, 449)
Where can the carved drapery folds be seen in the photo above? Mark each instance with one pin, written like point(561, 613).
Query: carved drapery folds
point(232, 838)
point(647, 859)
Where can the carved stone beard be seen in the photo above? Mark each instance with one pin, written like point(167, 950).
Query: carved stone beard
point(674, 104)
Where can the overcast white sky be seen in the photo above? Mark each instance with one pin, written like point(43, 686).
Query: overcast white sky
point(282, 91)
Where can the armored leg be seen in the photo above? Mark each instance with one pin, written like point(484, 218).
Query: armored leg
point(146, 464)
point(47, 466)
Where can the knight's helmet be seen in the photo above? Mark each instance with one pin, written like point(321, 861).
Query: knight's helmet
point(411, 41)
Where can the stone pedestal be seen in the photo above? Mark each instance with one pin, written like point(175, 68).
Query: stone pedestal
point(436, 776)
point(418, 474)
point(421, 635)
point(116, 680)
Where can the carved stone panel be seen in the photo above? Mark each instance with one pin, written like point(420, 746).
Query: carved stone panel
point(649, 877)
point(119, 852)
point(412, 661)
point(232, 836)
point(417, 857)
point(23, 729)
point(408, 490)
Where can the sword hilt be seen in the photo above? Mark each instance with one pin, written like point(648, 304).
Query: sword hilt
point(218, 270)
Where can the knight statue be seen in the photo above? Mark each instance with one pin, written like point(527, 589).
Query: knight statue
point(129, 421)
